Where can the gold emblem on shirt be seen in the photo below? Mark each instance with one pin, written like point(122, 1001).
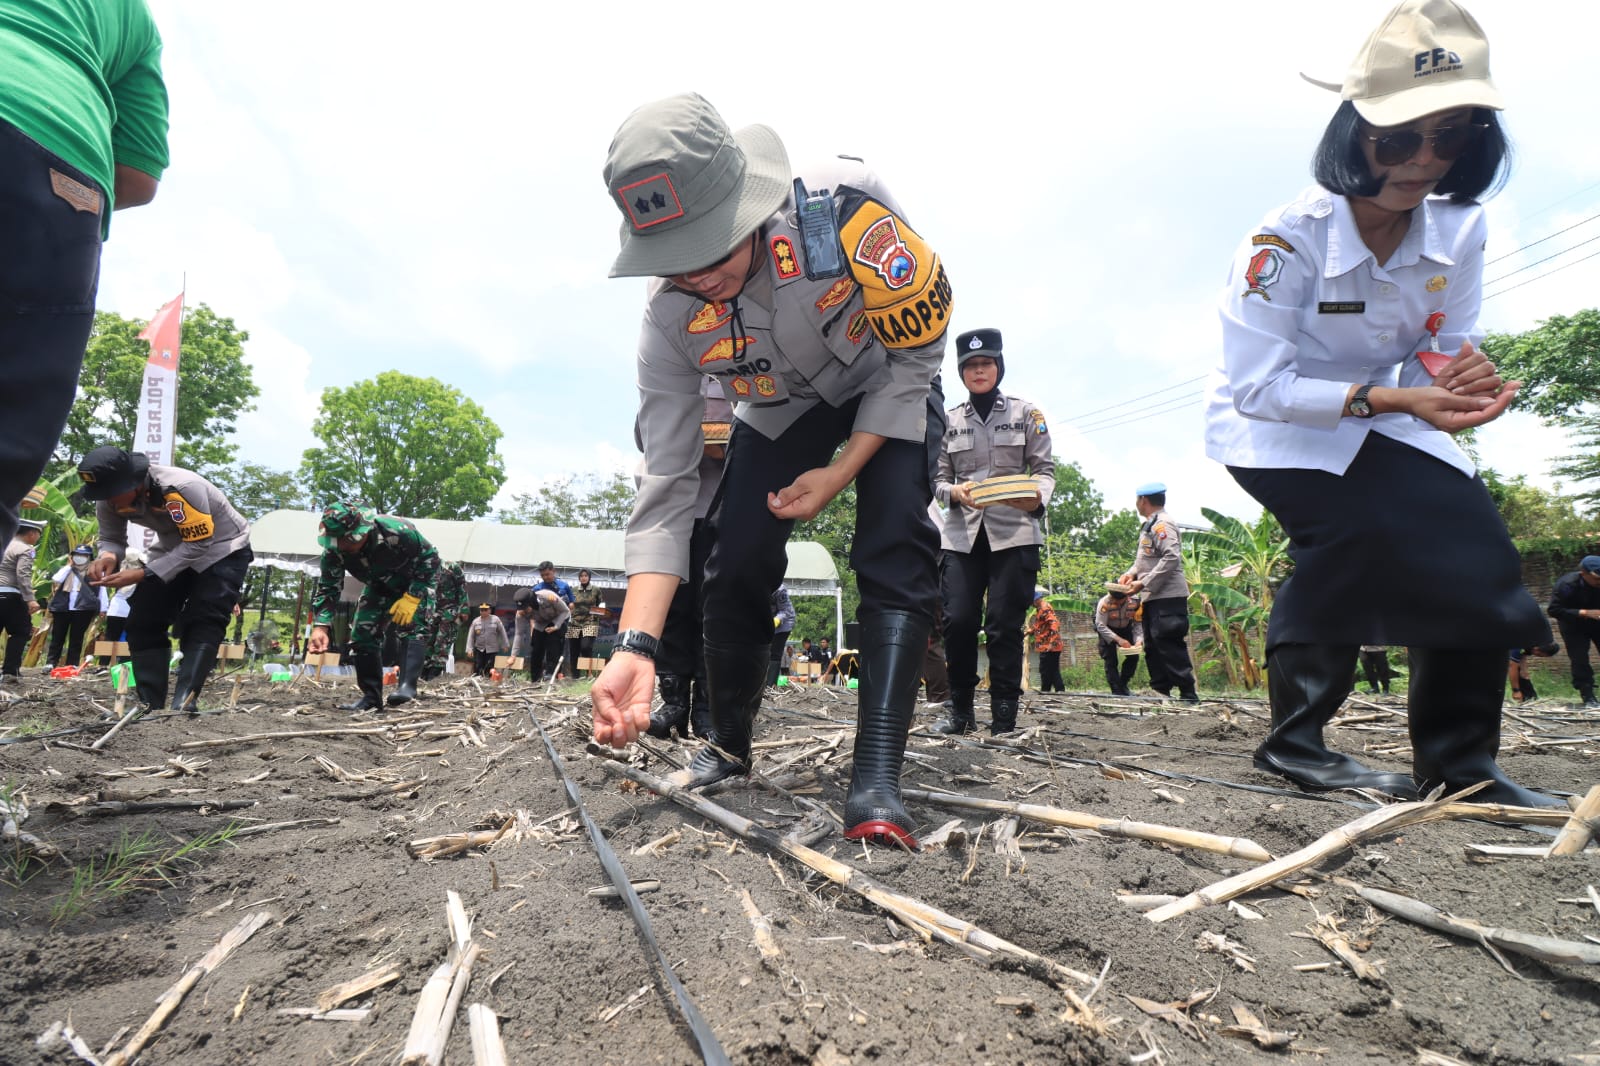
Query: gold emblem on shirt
point(1437, 283)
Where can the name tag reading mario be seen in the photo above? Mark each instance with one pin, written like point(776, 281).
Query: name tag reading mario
point(192, 523)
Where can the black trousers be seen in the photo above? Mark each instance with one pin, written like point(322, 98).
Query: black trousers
point(681, 652)
point(1577, 634)
point(196, 605)
point(1166, 651)
point(17, 624)
point(1120, 669)
point(892, 552)
point(780, 640)
point(1375, 667)
point(1050, 672)
point(578, 647)
point(48, 275)
point(544, 651)
point(1006, 577)
point(482, 662)
point(66, 632)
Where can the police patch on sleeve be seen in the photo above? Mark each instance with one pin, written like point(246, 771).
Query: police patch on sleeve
point(903, 283)
point(192, 523)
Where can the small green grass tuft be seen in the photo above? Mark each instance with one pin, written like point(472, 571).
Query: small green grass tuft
point(140, 863)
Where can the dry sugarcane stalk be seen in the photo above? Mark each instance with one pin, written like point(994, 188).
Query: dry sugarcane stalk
point(169, 1002)
point(1325, 930)
point(947, 927)
point(1239, 847)
point(125, 719)
point(1544, 948)
point(430, 1006)
point(441, 1035)
point(440, 847)
point(13, 813)
point(251, 738)
point(612, 891)
point(273, 827)
point(1577, 833)
point(484, 1027)
point(1506, 851)
point(761, 925)
point(460, 925)
point(1375, 823)
point(349, 990)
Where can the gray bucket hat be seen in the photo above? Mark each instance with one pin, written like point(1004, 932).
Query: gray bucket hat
point(688, 187)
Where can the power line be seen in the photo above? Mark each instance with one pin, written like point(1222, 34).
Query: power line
point(1112, 407)
point(1546, 259)
point(1541, 240)
point(1541, 277)
point(1167, 408)
point(1131, 416)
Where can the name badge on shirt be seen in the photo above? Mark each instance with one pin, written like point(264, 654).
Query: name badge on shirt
point(1342, 307)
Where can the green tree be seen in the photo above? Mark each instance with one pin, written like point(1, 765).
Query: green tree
point(215, 387)
point(406, 446)
point(1531, 512)
point(1558, 363)
point(256, 490)
point(1583, 467)
point(575, 502)
point(1234, 570)
point(1076, 509)
point(835, 529)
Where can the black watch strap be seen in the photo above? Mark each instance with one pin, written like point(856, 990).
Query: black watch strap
point(1359, 405)
point(637, 642)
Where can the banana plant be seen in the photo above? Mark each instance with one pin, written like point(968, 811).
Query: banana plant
point(1237, 569)
point(49, 503)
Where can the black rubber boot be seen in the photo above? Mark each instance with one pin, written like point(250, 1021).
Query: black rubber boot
point(413, 656)
point(892, 648)
point(193, 669)
point(1454, 704)
point(673, 714)
point(962, 719)
point(369, 679)
point(150, 676)
point(700, 707)
point(736, 675)
point(1307, 684)
point(1002, 715)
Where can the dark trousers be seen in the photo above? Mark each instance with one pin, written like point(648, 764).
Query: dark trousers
point(544, 651)
point(17, 623)
point(578, 647)
point(892, 552)
point(1050, 672)
point(1007, 577)
point(482, 662)
point(1120, 669)
point(780, 640)
point(66, 630)
point(681, 652)
point(48, 275)
point(196, 605)
point(1375, 667)
point(1577, 634)
point(1166, 653)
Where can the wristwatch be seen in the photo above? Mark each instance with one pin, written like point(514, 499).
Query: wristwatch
point(1359, 406)
point(637, 642)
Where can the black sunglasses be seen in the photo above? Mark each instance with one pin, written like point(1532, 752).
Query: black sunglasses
point(1449, 142)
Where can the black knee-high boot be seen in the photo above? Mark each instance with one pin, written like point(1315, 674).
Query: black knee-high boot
point(1307, 684)
point(369, 680)
point(413, 655)
point(196, 665)
point(150, 668)
point(892, 646)
point(1454, 702)
point(736, 675)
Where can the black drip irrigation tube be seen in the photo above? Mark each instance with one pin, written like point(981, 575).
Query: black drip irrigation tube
point(711, 1050)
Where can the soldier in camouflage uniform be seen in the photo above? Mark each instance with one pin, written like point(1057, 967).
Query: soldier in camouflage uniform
point(399, 567)
point(449, 611)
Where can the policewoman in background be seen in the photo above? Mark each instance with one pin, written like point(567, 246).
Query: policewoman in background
point(833, 344)
point(1350, 331)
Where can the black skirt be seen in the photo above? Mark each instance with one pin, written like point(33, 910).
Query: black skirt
point(1402, 549)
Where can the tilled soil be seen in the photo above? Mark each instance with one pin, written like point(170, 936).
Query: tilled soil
point(571, 980)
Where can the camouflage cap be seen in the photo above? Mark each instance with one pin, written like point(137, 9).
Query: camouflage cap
point(343, 519)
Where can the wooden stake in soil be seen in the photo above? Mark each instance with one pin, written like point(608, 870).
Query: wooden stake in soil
point(1577, 833)
point(169, 1003)
point(947, 927)
point(1239, 847)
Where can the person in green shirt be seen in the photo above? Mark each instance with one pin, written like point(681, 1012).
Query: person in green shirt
point(83, 130)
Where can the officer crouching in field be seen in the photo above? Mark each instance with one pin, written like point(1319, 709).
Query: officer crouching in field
point(399, 567)
point(191, 576)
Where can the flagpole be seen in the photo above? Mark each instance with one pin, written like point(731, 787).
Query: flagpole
point(183, 309)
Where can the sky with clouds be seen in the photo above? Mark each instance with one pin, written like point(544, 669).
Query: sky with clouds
point(366, 187)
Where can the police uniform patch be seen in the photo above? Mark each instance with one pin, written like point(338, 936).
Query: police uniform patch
point(783, 259)
point(192, 523)
point(1036, 416)
point(1274, 240)
point(1437, 283)
point(709, 318)
point(857, 327)
point(765, 386)
point(837, 294)
point(1262, 273)
point(650, 201)
point(724, 349)
point(882, 248)
point(740, 386)
point(915, 311)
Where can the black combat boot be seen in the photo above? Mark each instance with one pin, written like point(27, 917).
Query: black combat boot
point(1454, 706)
point(193, 669)
point(736, 675)
point(1307, 683)
point(892, 647)
point(150, 668)
point(673, 714)
point(1003, 715)
point(369, 679)
point(962, 718)
point(413, 654)
point(700, 706)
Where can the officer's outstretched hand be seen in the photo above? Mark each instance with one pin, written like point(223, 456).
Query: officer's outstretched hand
point(1446, 410)
point(104, 565)
point(317, 643)
point(809, 494)
point(622, 696)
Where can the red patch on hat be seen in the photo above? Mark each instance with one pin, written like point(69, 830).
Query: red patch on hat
point(650, 201)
